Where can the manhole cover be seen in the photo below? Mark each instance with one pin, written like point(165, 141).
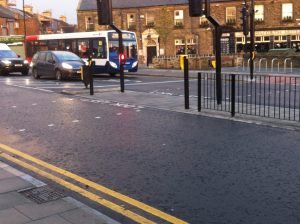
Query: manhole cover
point(42, 194)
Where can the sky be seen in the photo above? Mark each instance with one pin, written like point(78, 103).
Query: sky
point(58, 7)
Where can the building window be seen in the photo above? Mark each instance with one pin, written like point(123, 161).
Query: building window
point(259, 13)
point(203, 22)
point(17, 25)
point(185, 46)
point(230, 15)
point(149, 20)
point(131, 21)
point(287, 12)
point(89, 23)
point(178, 18)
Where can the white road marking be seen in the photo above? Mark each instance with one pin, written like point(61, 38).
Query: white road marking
point(97, 117)
point(51, 125)
point(119, 114)
point(27, 87)
point(34, 104)
point(22, 130)
point(14, 106)
point(75, 121)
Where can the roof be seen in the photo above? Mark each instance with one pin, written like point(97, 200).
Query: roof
point(6, 13)
point(20, 12)
point(87, 5)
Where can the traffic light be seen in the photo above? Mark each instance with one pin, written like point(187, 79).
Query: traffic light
point(196, 8)
point(245, 19)
point(104, 10)
point(122, 58)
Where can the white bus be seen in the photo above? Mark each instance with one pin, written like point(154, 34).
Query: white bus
point(102, 46)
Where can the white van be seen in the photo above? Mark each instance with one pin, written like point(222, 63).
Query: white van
point(11, 62)
point(4, 47)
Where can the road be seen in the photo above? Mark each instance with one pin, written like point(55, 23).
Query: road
point(197, 169)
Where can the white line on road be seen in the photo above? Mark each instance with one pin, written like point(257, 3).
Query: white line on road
point(27, 87)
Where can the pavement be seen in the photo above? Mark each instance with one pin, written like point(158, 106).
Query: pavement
point(144, 70)
point(22, 201)
point(17, 206)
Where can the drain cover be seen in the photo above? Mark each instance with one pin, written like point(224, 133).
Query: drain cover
point(42, 194)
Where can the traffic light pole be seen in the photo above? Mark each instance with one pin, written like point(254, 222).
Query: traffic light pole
point(218, 35)
point(120, 53)
point(252, 36)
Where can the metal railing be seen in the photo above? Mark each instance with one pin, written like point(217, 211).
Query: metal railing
point(285, 64)
point(271, 96)
point(272, 64)
point(260, 62)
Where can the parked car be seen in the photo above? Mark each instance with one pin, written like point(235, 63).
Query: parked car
point(11, 62)
point(56, 64)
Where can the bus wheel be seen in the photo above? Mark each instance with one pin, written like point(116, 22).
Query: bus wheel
point(112, 74)
point(58, 75)
point(35, 74)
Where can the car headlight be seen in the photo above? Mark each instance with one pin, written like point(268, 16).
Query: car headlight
point(134, 64)
point(112, 64)
point(6, 62)
point(26, 62)
point(66, 66)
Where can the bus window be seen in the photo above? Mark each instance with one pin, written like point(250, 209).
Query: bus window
point(30, 49)
point(61, 45)
point(99, 48)
point(70, 45)
point(83, 48)
point(53, 45)
point(42, 45)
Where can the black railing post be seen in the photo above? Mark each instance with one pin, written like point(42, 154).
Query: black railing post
point(199, 91)
point(186, 84)
point(232, 95)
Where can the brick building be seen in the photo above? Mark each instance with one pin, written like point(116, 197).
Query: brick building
point(163, 27)
point(12, 21)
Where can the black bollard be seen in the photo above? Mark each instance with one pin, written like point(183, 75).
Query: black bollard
point(186, 83)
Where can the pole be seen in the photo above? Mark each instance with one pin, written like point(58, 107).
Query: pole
point(252, 36)
point(199, 91)
point(186, 83)
point(218, 65)
point(218, 35)
point(24, 19)
point(232, 95)
point(120, 52)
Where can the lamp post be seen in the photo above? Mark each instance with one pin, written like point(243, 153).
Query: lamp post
point(24, 19)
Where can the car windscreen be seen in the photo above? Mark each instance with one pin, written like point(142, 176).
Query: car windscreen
point(8, 54)
point(66, 56)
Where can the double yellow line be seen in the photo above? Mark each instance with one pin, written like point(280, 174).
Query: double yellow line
point(119, 209)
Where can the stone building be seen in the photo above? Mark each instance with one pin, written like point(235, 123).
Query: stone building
point(163, 27)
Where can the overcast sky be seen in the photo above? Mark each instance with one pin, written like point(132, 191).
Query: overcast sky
point(58, 7)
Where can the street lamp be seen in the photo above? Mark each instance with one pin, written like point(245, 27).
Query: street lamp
point(24, 17)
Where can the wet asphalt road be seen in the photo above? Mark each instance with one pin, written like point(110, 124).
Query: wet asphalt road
point(199, 169)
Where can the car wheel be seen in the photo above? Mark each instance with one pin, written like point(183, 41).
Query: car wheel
point(58, 75)
point(35, 74)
